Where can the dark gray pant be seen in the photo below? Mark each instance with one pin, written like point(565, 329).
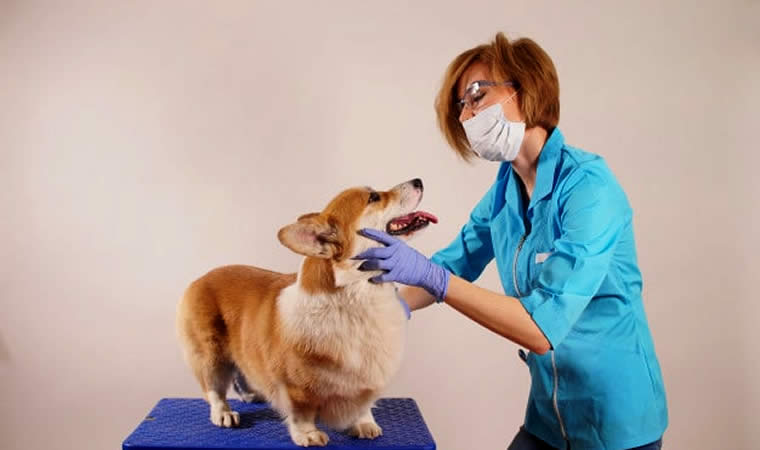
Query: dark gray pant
point(526, 441)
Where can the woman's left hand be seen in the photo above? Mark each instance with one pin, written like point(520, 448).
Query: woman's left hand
point(403, 264)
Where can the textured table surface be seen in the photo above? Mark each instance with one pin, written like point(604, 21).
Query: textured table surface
point(178, 423)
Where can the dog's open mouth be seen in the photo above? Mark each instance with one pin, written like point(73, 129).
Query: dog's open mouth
point(410, 223)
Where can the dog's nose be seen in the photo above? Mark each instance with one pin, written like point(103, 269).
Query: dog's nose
point(417, 183)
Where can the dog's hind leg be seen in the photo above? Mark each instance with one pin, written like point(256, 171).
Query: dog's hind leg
point(244, 389)
point(217, 379)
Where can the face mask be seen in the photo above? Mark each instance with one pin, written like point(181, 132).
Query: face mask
point(492, 136)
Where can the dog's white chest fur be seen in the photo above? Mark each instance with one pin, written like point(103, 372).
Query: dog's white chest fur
point(363, 324)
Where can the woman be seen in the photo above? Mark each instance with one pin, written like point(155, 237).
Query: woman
point(560, 228)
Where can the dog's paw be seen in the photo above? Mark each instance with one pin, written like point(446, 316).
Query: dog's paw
point(310, 438)
point(366, 430)
point(225, 419)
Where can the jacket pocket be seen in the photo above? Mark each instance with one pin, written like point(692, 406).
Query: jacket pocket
point(536, 264)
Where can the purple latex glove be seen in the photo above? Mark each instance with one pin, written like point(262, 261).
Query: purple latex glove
point(404, 305)
point(403, 264)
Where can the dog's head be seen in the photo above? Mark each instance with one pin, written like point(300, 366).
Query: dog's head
point(331, 235)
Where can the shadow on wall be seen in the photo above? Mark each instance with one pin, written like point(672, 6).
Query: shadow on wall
point(5, 355)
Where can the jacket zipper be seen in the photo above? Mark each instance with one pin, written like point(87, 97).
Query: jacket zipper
point(554, 398)
point(554, 363)
point(514, 264)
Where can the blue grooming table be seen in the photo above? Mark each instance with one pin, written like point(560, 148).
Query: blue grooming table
point(183, 424)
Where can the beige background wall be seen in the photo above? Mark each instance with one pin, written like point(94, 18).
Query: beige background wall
point(142, 143)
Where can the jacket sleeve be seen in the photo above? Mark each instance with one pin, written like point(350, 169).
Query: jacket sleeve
point(471, 250)
point(593, 213)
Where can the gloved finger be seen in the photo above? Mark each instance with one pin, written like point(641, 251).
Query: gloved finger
point(383, 278)
point(375, 264)
point(376, 253)
point(379, 236)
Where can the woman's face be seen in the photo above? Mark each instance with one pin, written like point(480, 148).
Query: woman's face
point(486, 96)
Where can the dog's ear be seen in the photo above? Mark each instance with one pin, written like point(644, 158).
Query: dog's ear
point(313, 235)
point(306, 216)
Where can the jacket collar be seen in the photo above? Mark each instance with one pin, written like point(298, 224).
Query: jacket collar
point(547, 165)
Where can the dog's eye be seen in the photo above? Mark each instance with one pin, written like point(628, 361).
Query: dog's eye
point(373, 197)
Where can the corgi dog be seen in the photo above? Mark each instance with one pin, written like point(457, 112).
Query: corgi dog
point(320, 344)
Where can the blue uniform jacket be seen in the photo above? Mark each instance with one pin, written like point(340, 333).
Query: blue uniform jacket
point(569, 256)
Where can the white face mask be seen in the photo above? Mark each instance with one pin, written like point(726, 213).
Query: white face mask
point(492, 136)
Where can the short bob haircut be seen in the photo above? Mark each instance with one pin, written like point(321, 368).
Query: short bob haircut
point(521, 61)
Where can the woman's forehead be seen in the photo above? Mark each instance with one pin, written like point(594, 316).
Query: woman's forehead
point(477, 71)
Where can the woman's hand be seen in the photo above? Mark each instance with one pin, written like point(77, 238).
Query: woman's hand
point(403, 264)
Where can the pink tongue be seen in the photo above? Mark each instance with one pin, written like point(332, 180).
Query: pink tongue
point(410, 217)
point(427, 215)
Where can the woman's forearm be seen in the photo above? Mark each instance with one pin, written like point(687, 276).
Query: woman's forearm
point(501, 314)
point(416, 298)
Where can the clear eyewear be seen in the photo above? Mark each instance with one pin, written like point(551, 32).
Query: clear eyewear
point(476, 91)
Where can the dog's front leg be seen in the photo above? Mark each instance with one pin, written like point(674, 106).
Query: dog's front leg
point(302, 428)
point(366, 427)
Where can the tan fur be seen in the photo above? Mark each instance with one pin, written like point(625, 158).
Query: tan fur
point(322, 343)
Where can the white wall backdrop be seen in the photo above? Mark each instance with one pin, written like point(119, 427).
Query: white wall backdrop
point(143, 143)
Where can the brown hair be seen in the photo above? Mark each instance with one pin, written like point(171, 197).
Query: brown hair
point(521, 61)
